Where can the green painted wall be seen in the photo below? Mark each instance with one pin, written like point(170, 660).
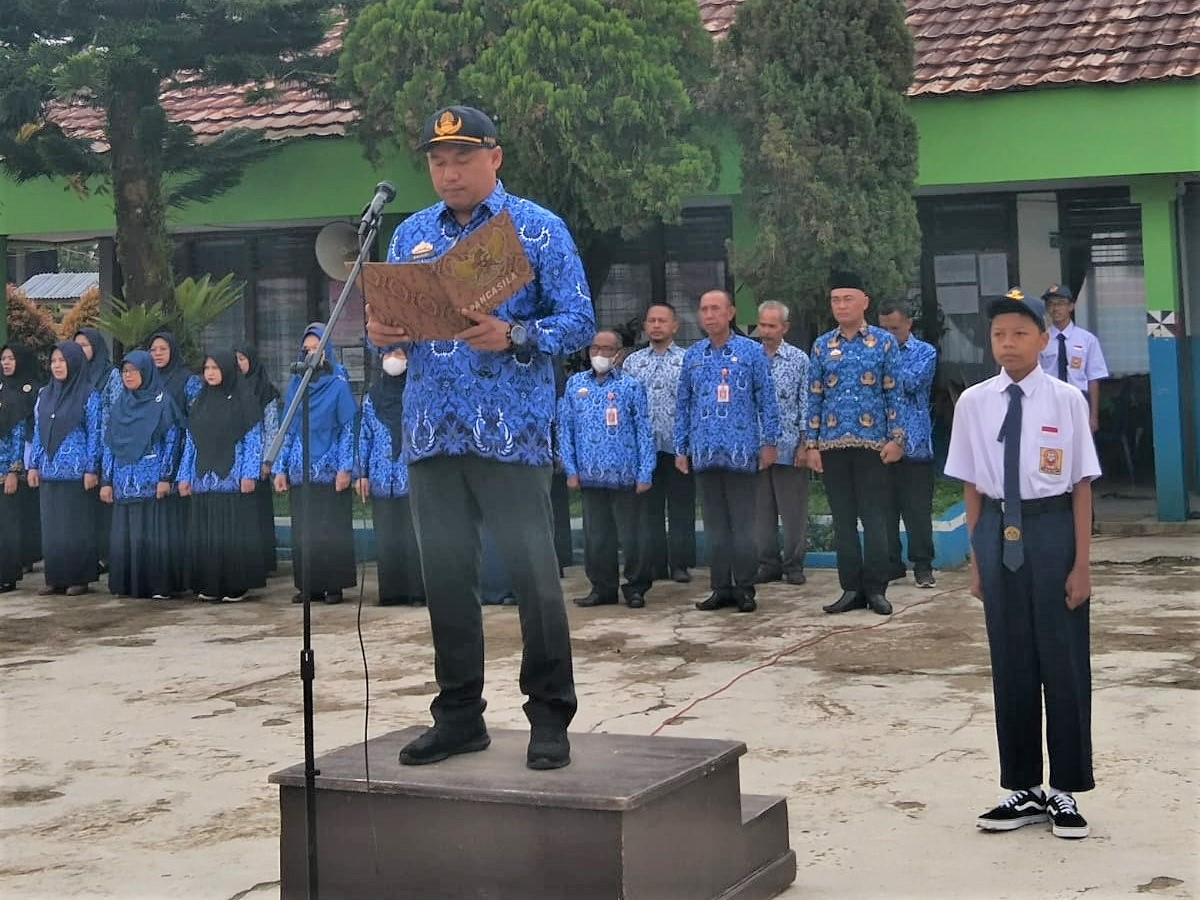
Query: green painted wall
point(1089, 131)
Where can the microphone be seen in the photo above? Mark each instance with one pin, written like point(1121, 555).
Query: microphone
point(385, 193)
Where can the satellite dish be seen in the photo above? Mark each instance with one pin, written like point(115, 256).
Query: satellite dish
point(337, 249)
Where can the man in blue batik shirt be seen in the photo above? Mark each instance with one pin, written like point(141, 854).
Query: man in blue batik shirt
point(672, 495)
point(477, 419)
point(607, 451)
point(726, 430)
point(853, 435)
point(783, 487)
point(912, 476)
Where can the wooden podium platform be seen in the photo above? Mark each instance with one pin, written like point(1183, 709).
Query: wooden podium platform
point(632, 818)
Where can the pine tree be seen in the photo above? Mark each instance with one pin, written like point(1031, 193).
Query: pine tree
point(816, 92)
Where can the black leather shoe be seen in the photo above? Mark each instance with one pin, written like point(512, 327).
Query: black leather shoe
point(715, 600)
point(443, 741)
point(332, 598)
point(879, 604)
point(796, 578)
point(681, 574)
point(7, 587)
point(745, 603)
point(766, 576)
point(594, 599)
point(549, 748)
point(635, 600)
point(848, 601)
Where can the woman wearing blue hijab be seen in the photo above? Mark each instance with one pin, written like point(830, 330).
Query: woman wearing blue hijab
point(142, 443)
point(321, 508)
point(64, 462)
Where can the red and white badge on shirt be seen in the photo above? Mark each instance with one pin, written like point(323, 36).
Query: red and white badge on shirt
point(723, 388)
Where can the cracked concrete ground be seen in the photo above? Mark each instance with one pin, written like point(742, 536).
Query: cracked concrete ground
point(137, 736)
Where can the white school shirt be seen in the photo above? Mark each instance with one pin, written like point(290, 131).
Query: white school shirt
point(1057, 450)
point(1085, 361)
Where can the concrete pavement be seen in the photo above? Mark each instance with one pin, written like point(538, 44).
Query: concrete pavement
point(136, 737)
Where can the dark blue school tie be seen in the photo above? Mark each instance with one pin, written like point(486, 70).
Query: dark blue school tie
point(1062, 357)
point(1010, 434)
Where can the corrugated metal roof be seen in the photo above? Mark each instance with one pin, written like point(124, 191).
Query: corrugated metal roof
point(60, 285)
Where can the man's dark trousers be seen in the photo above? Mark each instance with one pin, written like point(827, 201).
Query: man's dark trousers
point(1037, 644)
point(912, 499)
point(672, 496)
point(451, 497)
point(782, 494)
point(728, 500)
point(858, 487)
point(612, 518)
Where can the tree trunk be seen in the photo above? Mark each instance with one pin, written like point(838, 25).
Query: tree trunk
point(136, 131)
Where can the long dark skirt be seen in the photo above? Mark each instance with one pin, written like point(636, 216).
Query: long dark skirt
point(12, 521)
point(264, 502)
point(140, 552)
point(104, 517)
point(325, 515)
point(30, 511)
point(68, 533)
point(399, 562)
point(224, 555)
point(176, 511)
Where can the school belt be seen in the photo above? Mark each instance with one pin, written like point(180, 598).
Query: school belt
point(1038, 507)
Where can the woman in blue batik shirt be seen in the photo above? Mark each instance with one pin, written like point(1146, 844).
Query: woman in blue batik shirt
point(64, 462)
point(321, 508)
point(260, 384)
point(20, 518)
point(222, 458)
point(145, 430)
point(106, 380)
point(383, 479)
point(183, 386)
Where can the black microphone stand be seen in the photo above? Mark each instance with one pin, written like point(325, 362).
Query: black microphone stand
point(367, 232)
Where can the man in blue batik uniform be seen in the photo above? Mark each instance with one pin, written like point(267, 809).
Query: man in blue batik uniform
point(477, 419)
point(912, 476)
point(853, 434)
point(607, 451)
point(726, 430)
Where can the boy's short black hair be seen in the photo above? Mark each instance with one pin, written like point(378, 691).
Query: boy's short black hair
point(1017, 301)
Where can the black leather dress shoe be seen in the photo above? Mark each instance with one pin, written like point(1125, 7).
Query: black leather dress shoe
point(332, 598)
point(848, 601)
point(766, 576)
point(746, 603)
point(443, 741)
point(549, 748)
point(715, 600)
point(681, 575)
point(879, 604)
point(7, 587)
point(594, 599)
point(796, 578)
point(634, 600)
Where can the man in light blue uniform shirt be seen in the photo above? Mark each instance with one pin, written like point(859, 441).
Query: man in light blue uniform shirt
point(726, 430)
point(672, 495)
point(477, 420)
point(607, 452)
point(912, 476)
point(783, 487)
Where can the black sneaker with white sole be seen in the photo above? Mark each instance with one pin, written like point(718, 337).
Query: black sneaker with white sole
point(1065, 817)
point(924, 578)
point(1018, 809)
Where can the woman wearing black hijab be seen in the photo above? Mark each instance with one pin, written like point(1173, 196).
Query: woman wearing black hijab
point(267, 395)
point(383, 479)
point(106, 380)
point(222, 461)
point(145, 432)
point(18, 394)
point(64, 461)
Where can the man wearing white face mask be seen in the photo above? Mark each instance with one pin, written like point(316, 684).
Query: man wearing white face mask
point(607, 450)
point(382, 477)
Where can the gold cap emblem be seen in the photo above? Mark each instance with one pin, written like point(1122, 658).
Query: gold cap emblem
point(1015, 294)
point(447, 124)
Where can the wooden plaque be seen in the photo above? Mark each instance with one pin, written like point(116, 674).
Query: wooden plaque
point(480, 272)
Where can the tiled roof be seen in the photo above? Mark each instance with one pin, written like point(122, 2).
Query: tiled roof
point(966, 46)
point(962, 46)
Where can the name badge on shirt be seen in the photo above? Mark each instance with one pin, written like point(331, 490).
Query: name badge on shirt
point(1050, 461)
point(722, 393)
point(610, 417)
point(1076, 362)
